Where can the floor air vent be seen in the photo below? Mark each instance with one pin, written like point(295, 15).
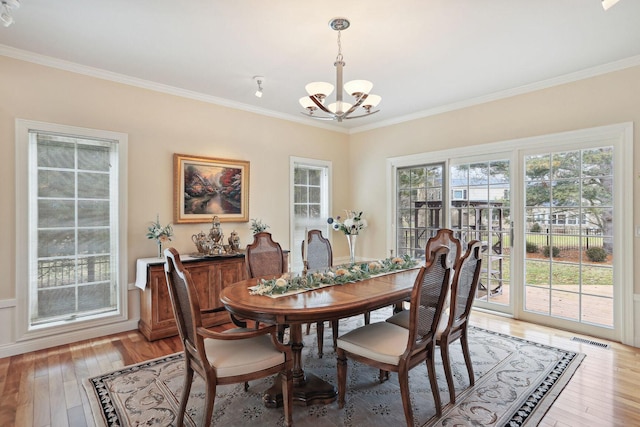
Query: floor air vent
point(595, 343)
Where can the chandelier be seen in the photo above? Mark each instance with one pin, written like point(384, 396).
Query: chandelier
point(358, 89)
point(5, 11)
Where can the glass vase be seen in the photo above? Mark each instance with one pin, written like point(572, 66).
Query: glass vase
point(351, 239)
point(160, 250)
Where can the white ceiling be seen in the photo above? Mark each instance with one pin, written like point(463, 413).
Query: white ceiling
point(423, 56)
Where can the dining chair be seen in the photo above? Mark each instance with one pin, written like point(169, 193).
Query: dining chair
point(391, 347)
point(264, 257)
point(446, 237)
point(443, 237)
point(319, 256)
point(229, 357)
point(454, 322)
point(456, 318)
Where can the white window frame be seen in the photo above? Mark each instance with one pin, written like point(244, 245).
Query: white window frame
point(23, 332)
point(295, 244)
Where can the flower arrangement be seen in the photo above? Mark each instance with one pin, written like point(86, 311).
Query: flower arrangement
point(352, 224)
point(160, 234)
point(334, 276)
point(257, 226)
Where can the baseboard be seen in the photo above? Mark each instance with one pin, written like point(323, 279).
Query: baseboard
point(66, 338)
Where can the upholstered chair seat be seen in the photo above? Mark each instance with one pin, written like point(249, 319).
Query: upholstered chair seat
point(382, 341)
point(240, 357)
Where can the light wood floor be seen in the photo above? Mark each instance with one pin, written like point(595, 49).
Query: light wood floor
point(44, 388)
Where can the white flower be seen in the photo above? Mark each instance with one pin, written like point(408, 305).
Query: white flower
point(351, 225)
point(281, 283)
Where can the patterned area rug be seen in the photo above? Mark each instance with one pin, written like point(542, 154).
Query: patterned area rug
point(516, 383)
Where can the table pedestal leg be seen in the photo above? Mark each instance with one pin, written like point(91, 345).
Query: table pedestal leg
point(308, 389)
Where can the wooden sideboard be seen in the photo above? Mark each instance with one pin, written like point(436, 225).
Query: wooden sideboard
point(210, 275)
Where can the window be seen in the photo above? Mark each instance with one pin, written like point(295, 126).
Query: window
point(310, 205)
point(459, 194)
point(73, 253)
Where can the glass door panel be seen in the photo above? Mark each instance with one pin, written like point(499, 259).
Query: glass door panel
point(480, 209)
point(419, 207)
point(569, 235)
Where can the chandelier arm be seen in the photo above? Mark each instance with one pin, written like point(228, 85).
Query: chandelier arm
point(356, 105)
point(320, 105)
point(362, 115)
point(317, 117)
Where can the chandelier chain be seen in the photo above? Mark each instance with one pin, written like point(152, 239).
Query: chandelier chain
point(339, 56)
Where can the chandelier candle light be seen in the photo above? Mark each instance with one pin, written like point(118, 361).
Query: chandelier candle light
point(359, 89)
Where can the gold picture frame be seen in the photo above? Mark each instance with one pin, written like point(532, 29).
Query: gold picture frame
point(208, 186)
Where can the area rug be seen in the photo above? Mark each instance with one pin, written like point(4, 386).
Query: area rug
point(516, 383)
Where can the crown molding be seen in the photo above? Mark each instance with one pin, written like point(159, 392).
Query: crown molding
point(48, 61)
point(73, 67)
point(632, 61)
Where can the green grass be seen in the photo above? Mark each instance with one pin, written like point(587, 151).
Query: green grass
point(537, 272)
point(563, 273)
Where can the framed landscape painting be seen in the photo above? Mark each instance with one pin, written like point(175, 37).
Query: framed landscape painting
point(205, 186)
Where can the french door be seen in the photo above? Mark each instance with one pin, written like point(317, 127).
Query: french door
point(553, 216)
point(472, 196)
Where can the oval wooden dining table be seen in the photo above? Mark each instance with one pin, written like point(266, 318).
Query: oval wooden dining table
point(328, 303)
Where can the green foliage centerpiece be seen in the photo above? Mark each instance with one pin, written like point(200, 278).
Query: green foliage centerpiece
point(333, 276)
